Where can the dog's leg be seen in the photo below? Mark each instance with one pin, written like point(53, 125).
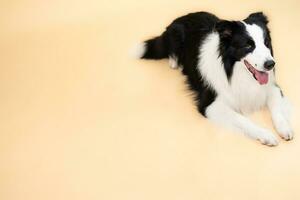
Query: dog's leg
point(280, 111)
point(222, 114)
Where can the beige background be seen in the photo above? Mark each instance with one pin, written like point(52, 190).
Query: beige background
point(81, 120)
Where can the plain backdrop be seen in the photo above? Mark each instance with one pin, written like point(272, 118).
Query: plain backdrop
point(81, 120)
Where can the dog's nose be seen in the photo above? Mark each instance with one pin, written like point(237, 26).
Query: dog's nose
point(269, 64)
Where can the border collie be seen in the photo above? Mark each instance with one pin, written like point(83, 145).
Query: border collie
point(230, 67)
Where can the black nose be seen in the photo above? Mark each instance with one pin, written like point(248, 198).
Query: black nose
point(269, 64)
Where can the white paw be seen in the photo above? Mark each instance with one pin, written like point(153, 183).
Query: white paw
point(286, 133)
point(283, 128)
point(266, 137)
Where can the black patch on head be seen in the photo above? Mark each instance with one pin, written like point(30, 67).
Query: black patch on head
point(235, 43)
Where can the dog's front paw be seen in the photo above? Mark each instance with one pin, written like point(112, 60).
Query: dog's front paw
point(283, 127)
point(286, 133)
point(266, 137)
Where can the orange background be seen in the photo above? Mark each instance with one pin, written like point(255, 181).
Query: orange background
point(79, 119)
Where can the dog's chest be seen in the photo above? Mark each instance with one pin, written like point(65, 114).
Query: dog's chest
point(247, 95)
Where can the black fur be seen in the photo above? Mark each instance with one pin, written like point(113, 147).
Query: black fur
point(184, 36)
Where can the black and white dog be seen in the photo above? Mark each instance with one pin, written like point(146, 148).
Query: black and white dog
point(230, 67)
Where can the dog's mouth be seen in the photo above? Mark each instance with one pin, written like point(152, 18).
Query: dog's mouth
point(261, 77)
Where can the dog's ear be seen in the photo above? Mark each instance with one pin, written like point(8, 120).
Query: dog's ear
point(258, 17)
point(225, 28)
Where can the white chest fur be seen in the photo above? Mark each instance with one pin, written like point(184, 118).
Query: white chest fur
point(247, 95)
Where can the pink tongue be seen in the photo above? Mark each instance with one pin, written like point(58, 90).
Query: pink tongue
point(261, 77)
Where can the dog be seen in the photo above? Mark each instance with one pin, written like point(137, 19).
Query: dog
point(229, 65)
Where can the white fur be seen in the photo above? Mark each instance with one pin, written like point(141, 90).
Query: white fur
point(138, 50)
point(211, 64)
point(244, 94)
point(280, 112)
point(247, 94)
point(223, 114)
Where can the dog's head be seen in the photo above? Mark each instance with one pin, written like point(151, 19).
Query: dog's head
point(249, 42)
